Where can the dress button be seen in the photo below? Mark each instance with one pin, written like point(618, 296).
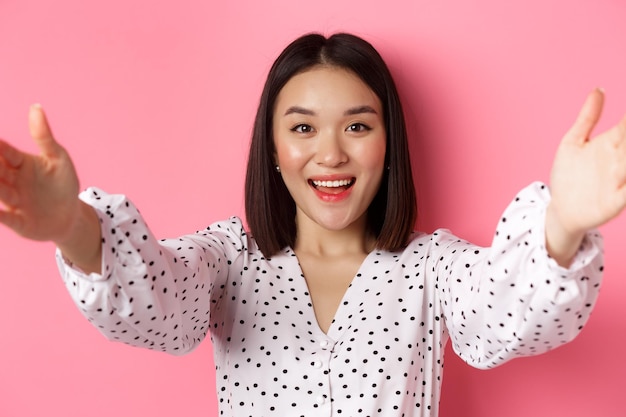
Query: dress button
point(317, 364)
point(324, 344)
point(320, 400)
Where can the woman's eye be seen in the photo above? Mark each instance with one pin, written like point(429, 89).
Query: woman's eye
point(302, 128)
point(358, 127)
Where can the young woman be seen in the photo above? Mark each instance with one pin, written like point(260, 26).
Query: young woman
point(330, 304)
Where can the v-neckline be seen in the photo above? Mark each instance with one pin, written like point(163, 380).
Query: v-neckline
point(338, 323)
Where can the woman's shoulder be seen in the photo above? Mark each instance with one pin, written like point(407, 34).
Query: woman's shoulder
point(421, 239)
point(230, 233)
point(420, 242)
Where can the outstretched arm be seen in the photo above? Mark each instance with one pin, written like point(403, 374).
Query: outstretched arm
point(40, 197)
point(588, 181)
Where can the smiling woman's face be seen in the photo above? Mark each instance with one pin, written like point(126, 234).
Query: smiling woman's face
point(330, 144)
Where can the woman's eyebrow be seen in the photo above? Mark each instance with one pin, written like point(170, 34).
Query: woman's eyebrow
point(350, 112)
point(299, 110)
point(360, 109)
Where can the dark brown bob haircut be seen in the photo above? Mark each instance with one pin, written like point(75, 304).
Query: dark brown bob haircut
point(270, 209)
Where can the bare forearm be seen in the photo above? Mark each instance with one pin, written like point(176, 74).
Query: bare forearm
point(83, 245)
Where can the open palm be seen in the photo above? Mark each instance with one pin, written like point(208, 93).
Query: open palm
point(39, 192)
point(588, 179)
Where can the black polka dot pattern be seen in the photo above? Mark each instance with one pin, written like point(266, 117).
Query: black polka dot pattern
point(383, 353)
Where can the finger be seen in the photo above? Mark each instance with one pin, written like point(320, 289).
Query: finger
point(41, 132)
point(587, 118)
point(11, 155)
point(617, 137)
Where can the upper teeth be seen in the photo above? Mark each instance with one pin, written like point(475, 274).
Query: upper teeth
point(336, 183)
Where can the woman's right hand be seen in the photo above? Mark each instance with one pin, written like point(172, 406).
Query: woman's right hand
point(40, 196)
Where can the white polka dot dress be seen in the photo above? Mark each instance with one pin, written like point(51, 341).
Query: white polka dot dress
point(383, 353)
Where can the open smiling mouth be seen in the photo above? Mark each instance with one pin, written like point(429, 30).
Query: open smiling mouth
point(332, 187)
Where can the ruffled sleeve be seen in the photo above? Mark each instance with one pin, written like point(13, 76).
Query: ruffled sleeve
point(156, 294)
point(512, 299)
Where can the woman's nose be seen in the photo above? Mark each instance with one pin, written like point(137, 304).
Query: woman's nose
point(330, 151)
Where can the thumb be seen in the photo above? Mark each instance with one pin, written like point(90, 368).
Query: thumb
point(40, 131)
point(587, 118)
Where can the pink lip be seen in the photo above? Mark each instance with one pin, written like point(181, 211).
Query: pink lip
point(332, 197)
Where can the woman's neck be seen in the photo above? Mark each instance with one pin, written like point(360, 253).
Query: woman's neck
point(316, 240)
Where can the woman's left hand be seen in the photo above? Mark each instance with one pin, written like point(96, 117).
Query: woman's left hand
point(587, 182)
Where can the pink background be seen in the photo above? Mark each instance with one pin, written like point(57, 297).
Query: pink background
point(156, 100)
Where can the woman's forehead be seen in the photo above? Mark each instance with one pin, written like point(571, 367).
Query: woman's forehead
point(326, 88)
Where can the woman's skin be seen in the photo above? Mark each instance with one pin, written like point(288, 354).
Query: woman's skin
point(39, 192)
point(328, 126)
point(587, 181)
point(40, 195)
